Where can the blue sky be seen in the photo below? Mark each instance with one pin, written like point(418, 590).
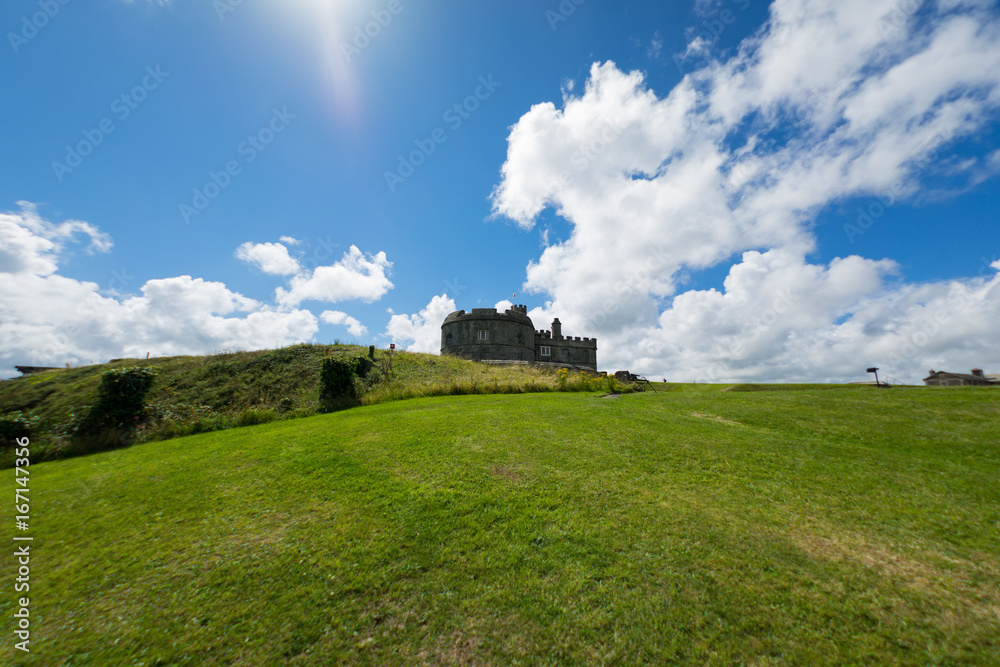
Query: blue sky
point(755, 192)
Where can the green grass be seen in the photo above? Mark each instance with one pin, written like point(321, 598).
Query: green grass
point(211, 393)
point(786, 527)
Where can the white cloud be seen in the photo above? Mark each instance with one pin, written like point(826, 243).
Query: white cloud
point(424, 328)
point(993, 160)
point(271, 258)
point(355, 276)
point(335, 317)
point(50, 319)
point(706, 7)
point(655, 46)
point(698, 46)
point(825, 103)
point(29, 244)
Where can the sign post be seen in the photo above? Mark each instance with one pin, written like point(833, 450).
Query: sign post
point(877, 383)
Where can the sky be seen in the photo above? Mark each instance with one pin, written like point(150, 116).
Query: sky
point(717, 190)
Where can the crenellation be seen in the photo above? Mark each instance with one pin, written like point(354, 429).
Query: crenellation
point(490, 336)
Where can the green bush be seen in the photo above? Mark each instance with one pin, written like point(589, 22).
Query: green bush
point(14, 426)
point(362, 366)
point(344, 380)
point(121, 396)
point(336, 379)
point(121, 405)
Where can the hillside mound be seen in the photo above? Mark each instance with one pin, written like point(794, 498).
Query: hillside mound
point(194, 394)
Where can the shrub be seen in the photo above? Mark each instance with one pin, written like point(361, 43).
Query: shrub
point(254, 416)
point(121, 396)
point(120, 406)
point(14, 426)
point(336, 378)
point(362, 365)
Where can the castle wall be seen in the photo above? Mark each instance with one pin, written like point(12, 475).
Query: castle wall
point(569, 350)
point(486, 335)
point(508, 335)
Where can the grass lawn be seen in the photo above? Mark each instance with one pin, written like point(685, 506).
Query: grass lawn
point(193, 395)
point(812, 525)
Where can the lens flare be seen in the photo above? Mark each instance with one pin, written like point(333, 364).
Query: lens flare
point(334, 23)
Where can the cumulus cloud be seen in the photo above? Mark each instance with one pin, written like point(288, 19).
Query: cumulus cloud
point(272, 258)
point(335, 317)
point(50, 319)
point(30, 244)
point(829, 100)
point(423, 330)
point(356, 276)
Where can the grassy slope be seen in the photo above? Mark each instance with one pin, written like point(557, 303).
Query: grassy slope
point(780, 527)
point(205, 393)
point(285, 379)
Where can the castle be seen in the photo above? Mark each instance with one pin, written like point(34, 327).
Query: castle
point(486, 335)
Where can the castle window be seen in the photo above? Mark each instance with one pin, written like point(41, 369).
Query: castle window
point(448, 340)
point(483, 334)
point(565, 353)
point(544, 350)
point(520, 339)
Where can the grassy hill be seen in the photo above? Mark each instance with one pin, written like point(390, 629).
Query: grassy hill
point(785, 527)
point(196, 394)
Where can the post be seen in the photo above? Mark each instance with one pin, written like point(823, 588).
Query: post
point(875, 371)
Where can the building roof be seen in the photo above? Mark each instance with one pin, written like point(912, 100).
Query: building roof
point(31, 370)
point(513, 314)
point(937, 375)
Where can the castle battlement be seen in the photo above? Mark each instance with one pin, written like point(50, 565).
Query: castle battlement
point(487, 335)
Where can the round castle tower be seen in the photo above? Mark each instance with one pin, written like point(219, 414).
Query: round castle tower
point(484, 334)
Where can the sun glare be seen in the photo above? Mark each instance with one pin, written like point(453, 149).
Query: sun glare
point(334, 22)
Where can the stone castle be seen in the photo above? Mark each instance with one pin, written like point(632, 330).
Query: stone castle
point(510, 337)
